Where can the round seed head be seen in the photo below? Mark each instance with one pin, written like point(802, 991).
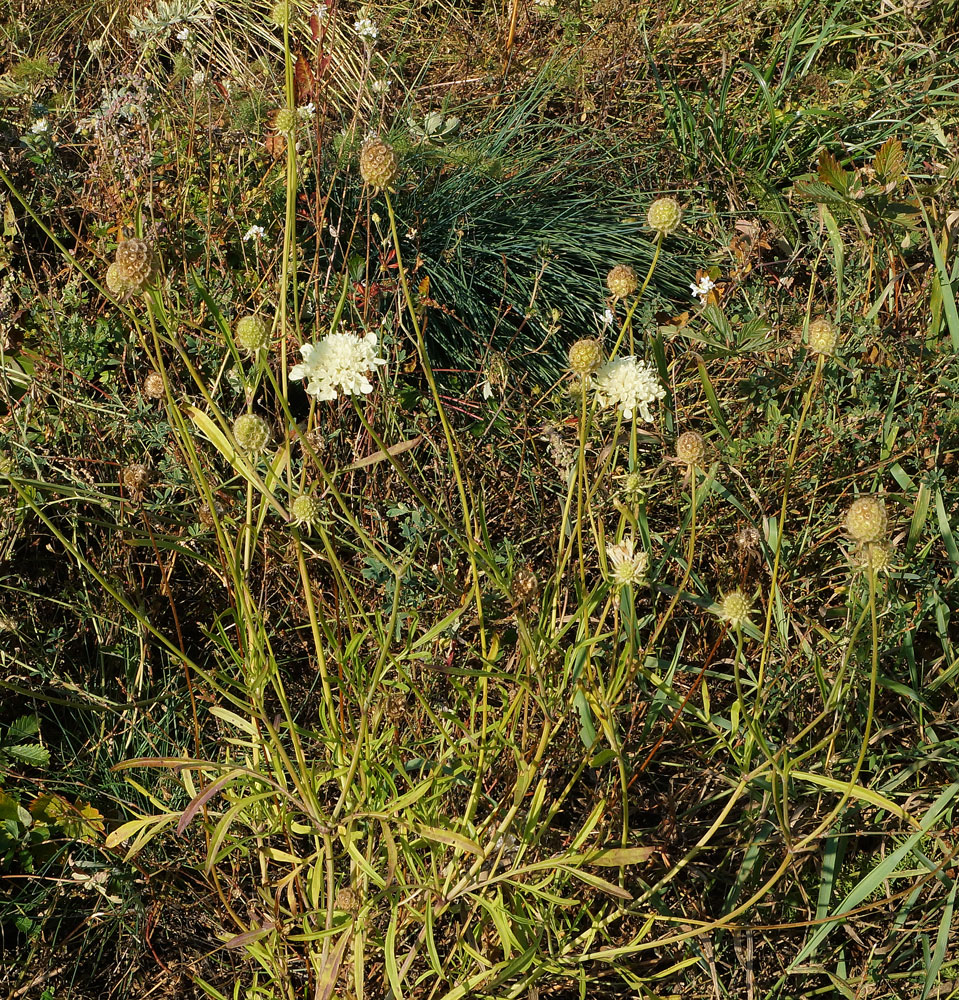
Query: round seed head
point(585, 356)
point(118, 282)
point(735, 608)
point(823, 336)
point(691, 448)
point(153, 386)
point(347, 899)
point(136, 263)
point(306, 509)
point(252, 334)
point(378, 163)
point(251, 432)
point(873, 558)
point(285, 120)
point(866, 520)
point(622, 281)
point(136, 477)
point(280, 14)
point(664, 216)
point(525, 585)
point(634, 487)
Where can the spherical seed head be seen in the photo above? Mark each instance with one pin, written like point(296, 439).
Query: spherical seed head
point(280, 14)
point(252, 334)
point(735, 608)
point(153, 386)
point(585, 356)
point(347, 899)
point(285, 120)
point(378, 163)
point(622, 281)
point(634, 486)
point(208, 516)
point(822, 336)
point(306, 509)
point(251, 432)
point(136, 263)
point(136, 477)
point(866, 520)
point(691, 448)
point(664, 216)
point(525, 585)
point(873, 558)
point(117, 281)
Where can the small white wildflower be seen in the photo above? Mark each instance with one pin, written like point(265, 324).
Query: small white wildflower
point(702, 288)
point(95, 44)
point(487, 389)
point(40, 127)
point(380, 86)
point(306, 111)
point(629, 384)
point(626, 565)
point(199, 77)
point(339, 363)
point(606, 317)
point(254, 233)
point(183, 35)
point(365, 28)
point(322, 12)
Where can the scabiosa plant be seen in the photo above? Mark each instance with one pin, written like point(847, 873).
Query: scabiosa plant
point(874, 558)
point(252, 334)
point(622, 281)
point(664, 216)
point(524, 585)
point(626, 565)
point(822, 336)
point(585, 356)
point(629, 384)
point(251, 432)
point(735, 608)
point(284, 120)
point(378, 163)
point(133, 269)
point(866, 521)
point(691, 448)
point(306, 509)
point(153, 386)
point(339, 363)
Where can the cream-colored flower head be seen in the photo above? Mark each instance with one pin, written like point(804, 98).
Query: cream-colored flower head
point(664, 216)
point(339, 363)
point(622, 281)
point(822, 336)
point(735, 608)
point(378, 163)
point(626, 565)
point(866, 520)
point(251, 432)
point(629, 384)
point(585, 356)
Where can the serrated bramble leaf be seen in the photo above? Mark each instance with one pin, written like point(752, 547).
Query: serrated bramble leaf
point(832, 173)
point(890, 161)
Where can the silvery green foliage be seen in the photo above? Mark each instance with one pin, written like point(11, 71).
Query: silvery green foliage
point(156, 23)
point(436, 127)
